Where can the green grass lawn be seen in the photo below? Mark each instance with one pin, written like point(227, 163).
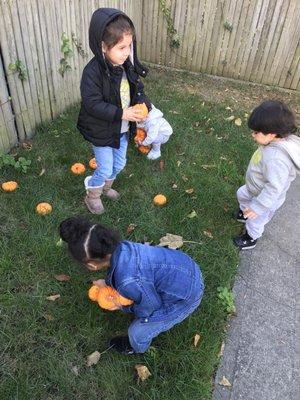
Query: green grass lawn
point(44, 344)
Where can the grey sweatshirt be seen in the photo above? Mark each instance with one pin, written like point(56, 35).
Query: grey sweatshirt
point(270, 172)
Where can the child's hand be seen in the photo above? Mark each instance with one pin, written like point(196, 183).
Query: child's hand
point(100, 283)
point(248, 213)
point(131, 114)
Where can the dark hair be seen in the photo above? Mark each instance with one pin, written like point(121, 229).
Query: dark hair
point(88, 241)
point(272, 117)
point(115, 30)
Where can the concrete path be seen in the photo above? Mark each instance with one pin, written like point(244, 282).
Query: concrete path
point(262, 352)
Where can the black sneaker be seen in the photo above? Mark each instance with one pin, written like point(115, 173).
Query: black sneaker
point(244, 242)
point(121, 344)
point(239, 216)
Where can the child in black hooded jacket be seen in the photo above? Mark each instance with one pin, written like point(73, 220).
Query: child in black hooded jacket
point(110, 86)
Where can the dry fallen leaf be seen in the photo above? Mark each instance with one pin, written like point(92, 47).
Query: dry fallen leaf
point(174, 186)
point(62, 277)
point(49, 317)
point(192, 214)
point(131, 228)
point(172, 241)
point(206, 166)
point(174, 112)
point(226, 207)
point(221, 352)
point(238, 121)
point(184, 178)
point(179, 163)
point(229, 108)
point(42, 172)
point(143, 372)
point(190, 191)
point(225, 382)
point(26, 145)
point(196, 339)
point(53, 297)
point(75, 370)
point(59, 243)
point(208, 234)
point(231, 118)
point(161, 165)
point(93, 358)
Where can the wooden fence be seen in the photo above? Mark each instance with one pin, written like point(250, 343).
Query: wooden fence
point(252, 40)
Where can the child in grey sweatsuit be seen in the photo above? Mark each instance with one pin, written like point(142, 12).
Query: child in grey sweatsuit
point(271, 170)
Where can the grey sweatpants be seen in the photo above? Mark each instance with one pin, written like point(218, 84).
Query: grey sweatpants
point(255, 227)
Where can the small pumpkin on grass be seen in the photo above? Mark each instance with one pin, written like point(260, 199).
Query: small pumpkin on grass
point(43, 208)
point(160, 200)
point(107, 297)
point(9, 186)
point(140, 137)
point(93, 163)
point(142, 108)
point(78, 169)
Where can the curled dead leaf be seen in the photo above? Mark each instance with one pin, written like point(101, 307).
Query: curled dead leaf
point(131, 228)
point(197, 337)
point(225, 382)
point(231, 118)
point(208, 233)
point(75, 370)
point(53, 297)
point(238, 121)
point(49, 317)
point(172, 241)
point(190, 191)
point(221, 352)
point(62, 277)
point(174, 186)
point(179, 163)
point(42, 172)
point(184, 178)
point(59, 243)
point(192, 214)
point(93, 358)
point(142, 371)
point(161, 165)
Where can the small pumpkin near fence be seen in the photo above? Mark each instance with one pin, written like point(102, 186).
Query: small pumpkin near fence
point(78, 169)
point(9, 186)
point(107, 297)
point(43, 208)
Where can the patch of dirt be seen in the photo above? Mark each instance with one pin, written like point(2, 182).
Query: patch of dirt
point(236, 94)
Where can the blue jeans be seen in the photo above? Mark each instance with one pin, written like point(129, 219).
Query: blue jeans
point(109, 161)
point(142, 331)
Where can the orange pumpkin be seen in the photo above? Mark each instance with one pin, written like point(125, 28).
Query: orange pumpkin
point(44, 208)
point(107, 297)
point(140, 135)
point(160, 200)
point(144, 149)
point(92, 163)
point(78, 169)
point(142, 108)
point(9, 186)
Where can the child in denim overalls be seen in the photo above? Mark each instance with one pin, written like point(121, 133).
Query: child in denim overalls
point(165, 285)
point(110, 85)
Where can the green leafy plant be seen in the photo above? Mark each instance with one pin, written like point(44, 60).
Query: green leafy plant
point(78, 46)
point(7, 160)
point(227, 299)
point(228, 26)
point(172, 32)
point(19, 68)
point(67, 51)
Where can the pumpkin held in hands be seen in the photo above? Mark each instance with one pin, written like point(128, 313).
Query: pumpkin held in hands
point(9, 186)
point(140, 137)
point(107, 297)
point(78, 169)
point(44, 208)
point(92, 163)
point(142, 108)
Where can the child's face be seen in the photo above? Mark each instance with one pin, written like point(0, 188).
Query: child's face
point(263, 139)
point(120, 52)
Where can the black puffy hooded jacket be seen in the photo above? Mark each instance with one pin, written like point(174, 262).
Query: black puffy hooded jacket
point(100, 115)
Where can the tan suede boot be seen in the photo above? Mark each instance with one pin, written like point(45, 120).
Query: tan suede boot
point(93, 201)
point(109, 192)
